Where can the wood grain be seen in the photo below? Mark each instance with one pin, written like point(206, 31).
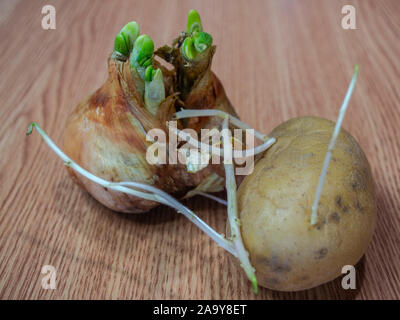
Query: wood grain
point(276, 59)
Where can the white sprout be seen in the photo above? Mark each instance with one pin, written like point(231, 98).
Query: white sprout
point(233, 218)
point(189, 113)
point(152, 193)
point(210, 196)
point(332, 145)
point(218, 151)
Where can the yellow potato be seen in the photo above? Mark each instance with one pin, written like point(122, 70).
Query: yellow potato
point(275, 201)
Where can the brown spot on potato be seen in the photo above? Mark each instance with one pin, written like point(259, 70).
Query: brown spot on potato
point(348, 150)
point(357, 181)
point(271, 282)
point(339, 201)
point(275, 265)
point(268, 168)
point(321, 253)
point(358, 206)
point(320, 224)
point(341, 205)
point(334, 217)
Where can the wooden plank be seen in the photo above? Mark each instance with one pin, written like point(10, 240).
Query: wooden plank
point(276, 59)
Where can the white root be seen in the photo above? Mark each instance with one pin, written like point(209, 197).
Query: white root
point(218, 151)
point(342, 112)
point(151, 193)
point(233, 218)
point(189, 113)
point(210, 196)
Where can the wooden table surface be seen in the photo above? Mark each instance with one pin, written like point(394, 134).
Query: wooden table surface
point(276, 59)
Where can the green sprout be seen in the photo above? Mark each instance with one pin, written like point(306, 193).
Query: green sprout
point(154, 92)
point(150, 73)
point(125, 40)
point(148, 81)
point(194, 22)
point(196, 41)
point(140, 58)
point(142, 54)
point(188, 49)
point(195, 44)
point(202, 41)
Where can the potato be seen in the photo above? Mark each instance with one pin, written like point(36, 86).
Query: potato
point(274, 204)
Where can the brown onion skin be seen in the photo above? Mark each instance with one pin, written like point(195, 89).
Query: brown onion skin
point(105, 134)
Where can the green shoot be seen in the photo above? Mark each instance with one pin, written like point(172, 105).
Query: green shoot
point(188, 49)
point(124, 41)
point(202, 41)
point(154, 92)
point(194, 22)
point(196, 41)
point(142, 54)
point(195, 44)
point(143, 73)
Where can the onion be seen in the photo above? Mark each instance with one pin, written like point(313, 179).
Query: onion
point(106, 133)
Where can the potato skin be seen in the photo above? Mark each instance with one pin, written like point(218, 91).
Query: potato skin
point(275, 202)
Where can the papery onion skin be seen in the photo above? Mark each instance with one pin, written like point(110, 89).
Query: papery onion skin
point(105, 134)
point(199, 87)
